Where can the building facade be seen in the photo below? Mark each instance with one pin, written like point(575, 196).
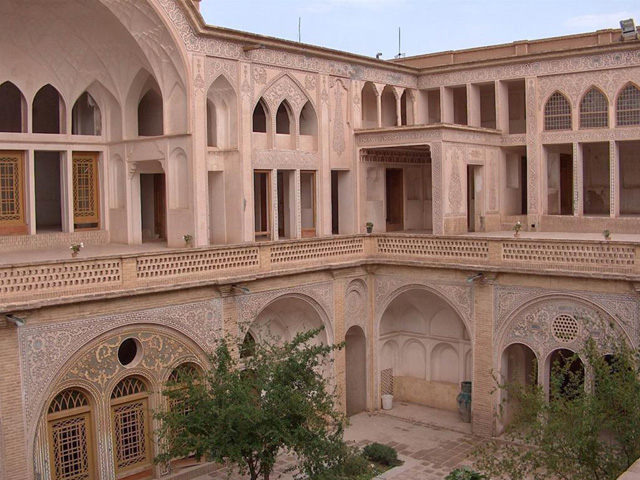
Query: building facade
point(129, 125)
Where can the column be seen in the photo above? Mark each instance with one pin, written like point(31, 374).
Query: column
point(199, 158)
point(502, 106)
point(379, 107)
point(473, 105)
point(614, 167)
point(30, 191)
point(67, 191)
point(578, 200)
point(245, 147)
point(297, 204)
point(484, 401)
point(437, 188)
point(446, 104)
point(274, 205)
point(397, 92)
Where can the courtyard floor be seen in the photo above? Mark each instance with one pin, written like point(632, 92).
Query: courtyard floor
point(430, 442)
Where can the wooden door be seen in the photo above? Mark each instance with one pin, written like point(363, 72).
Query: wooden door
point(159, 205)
point(394, 184)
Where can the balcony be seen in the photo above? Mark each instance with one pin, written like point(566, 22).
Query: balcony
point(106, 271)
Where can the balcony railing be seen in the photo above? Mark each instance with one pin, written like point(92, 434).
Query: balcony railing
point(31, 284)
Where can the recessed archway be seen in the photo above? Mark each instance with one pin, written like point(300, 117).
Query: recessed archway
point(425, 350)
point(518, 366)
point(356, 370)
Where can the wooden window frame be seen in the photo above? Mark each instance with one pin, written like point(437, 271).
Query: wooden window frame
point(16, 226)
point(310, 232)
point(267, 234)
point(94, 214)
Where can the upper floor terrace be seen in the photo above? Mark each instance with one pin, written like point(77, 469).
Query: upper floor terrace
point(50, 277)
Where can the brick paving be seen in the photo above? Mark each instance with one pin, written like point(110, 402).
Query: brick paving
point(431, 443)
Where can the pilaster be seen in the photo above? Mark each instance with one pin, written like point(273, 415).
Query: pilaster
point(199, 154)
point(245, 148)
point(615, 185)
point(578, 182)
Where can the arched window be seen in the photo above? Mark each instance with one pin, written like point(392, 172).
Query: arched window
point(369, 106)
point(308, 120)
point(47, 111)
point(557, 113)
point(628, 106)
point(260, 118)
point(70, 438)
point(150, 115)
point(594, 112)
point(177, 381)
point(85, 116)
point(283, 119)
point(131, 426)
point(12, 105)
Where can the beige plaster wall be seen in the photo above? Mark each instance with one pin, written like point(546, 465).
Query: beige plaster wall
point(441, 395)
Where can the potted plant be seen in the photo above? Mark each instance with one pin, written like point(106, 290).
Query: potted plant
point(606, 234)
point(75, 248)
point(369, 227)
point(187, 240)
point(516, 228)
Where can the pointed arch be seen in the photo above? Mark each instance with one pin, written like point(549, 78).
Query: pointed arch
point(557, 112)
point(369, 106)
point(86, 116)
point(261, 117)
point(308, 120)
point(48, 111)
point(150, 114)
point(388, 105)
point(628, 106)
point(13, 107)
point(284, 117)
point(594, 109)
point(222, 115)
point(288, 87)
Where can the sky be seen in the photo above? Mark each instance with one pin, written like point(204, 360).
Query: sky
point(367, 27)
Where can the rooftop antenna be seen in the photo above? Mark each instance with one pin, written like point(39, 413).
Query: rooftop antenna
point(400, 54)
point(299, 23)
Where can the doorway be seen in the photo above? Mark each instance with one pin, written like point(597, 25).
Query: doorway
point(153, 207)
point(394, 184)
point(308, 204)
point(285, 204)
point(48, 192)
point(475, 214)
point(261, 204)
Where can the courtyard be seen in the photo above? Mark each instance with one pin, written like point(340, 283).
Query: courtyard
point(431, 443)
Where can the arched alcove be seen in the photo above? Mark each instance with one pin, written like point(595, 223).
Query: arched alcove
point(564, 374)
point(86, 117)
point(222, 113)
point(369, 106)
point(13, 108)
point(178, 180)
point(150, 114)
point(518, 366)
point(48, 112)
point(434, 350)
point(308, 128)
point(356, 370)
point(388, 106)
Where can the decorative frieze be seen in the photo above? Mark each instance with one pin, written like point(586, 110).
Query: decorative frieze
point(284, 160)
point(380, 155)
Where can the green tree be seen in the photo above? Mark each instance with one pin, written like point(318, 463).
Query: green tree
point(244, 412)
point(578, 433)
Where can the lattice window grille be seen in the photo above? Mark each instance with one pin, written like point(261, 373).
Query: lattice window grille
point(182, 371)
point(11, 189)
point(130, 434)
point(565, 328)
point(594, 111)
point(70, 449)
point(386, 381)
point(628, 106)
point(128, 386)
point(557, 113)
point(85, 186)
point(68, 400)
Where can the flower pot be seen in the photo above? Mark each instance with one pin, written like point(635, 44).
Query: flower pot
point(74, 254)
point(387, 402)
point(517, 234)
point(369, 229)
point(464, 402)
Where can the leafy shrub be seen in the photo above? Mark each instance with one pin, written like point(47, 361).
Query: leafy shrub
point(382, 454)
point(465, 473)
point(352, 466)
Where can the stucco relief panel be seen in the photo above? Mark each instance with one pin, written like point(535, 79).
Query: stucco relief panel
point(355, 305)
point(250, 305)
point(288, 159)
point(45, 349)
point(586, 63)
point(510, 324)
point(457, 294)
point(214, 67)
